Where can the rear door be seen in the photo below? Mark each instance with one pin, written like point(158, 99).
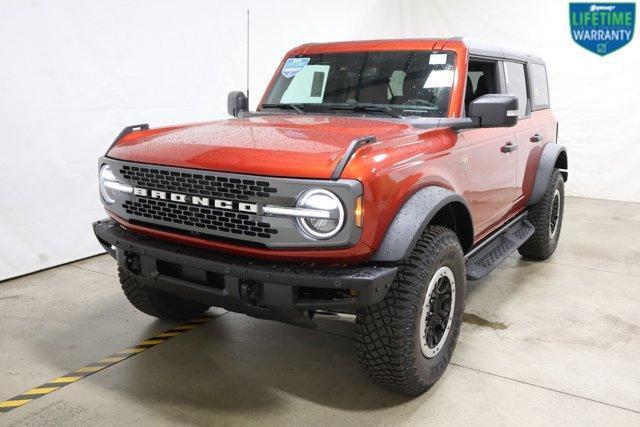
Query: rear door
point(528, 128)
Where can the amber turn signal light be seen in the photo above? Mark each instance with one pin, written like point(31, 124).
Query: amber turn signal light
point(359, 212)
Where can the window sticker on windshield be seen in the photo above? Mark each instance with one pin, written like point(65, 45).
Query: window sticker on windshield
point(437, 58)
point(293, 66)
point(439, 78)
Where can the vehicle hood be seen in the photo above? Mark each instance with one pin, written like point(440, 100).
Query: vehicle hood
point(283, 145)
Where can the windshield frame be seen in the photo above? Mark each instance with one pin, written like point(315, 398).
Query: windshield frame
point(332, 108)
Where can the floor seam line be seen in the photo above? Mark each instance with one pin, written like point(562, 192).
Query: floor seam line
point(42, 270)
point(593, 268)
point(93, 271)
point(566, 393)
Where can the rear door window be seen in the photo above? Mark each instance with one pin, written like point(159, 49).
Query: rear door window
point(517, 85)
point(539, 87)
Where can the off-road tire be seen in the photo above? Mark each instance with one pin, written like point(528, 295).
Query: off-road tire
point(541, 244)
point(388, 344)
point(157, 303)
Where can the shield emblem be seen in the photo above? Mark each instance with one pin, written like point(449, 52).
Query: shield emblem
point(602, 28)
point(293, 66)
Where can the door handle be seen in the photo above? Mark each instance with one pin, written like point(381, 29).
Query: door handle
point(536, 138)
point(509, 147)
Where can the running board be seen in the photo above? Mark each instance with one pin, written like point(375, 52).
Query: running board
point(489, 254)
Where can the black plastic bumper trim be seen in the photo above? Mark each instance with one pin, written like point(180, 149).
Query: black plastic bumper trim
point(277, 278)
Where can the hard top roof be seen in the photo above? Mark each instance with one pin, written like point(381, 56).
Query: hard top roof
point(482, 48)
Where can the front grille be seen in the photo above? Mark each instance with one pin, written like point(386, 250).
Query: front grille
point(202, 217)
point(223, 206)
point(196, 183)
point(199, 219)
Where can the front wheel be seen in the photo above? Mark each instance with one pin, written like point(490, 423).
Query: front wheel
point(406, 341)
point(157, 303)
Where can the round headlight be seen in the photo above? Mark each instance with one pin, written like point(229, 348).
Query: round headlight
point(110, 185)
point(330, 222)
point(107, 175)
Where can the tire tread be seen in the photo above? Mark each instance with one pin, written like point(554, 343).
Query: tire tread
point(384, 332)
point(540, 246)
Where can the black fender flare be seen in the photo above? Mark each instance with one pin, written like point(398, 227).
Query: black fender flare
point(548, 161)
point(414, 216)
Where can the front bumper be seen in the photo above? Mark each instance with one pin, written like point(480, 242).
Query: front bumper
point(282, 291)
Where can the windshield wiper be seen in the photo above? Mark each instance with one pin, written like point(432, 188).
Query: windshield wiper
point(293, 107)
point(366, 107)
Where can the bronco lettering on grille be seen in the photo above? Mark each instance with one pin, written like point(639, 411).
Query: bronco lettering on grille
point(196, 200)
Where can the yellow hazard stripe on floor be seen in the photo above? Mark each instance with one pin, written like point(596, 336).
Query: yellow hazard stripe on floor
point(132, 350)
point(85, 371)
point(63, 380)
point(10, 404)
point(90, 369)
point(167, 334)
point(43, 390)
point(111, 360)
point(184, 327)
point(151, 342)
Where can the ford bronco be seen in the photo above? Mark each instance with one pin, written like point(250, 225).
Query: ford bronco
point(374, 179)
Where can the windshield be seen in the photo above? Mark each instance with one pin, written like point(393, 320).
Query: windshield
point(395, 83)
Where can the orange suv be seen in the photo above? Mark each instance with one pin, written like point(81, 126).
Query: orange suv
point(374, 179)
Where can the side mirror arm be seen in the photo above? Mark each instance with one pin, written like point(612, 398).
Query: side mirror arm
point(460, 124)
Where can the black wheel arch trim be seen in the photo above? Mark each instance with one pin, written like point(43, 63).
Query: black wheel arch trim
point(414, 216)
point(552, 154)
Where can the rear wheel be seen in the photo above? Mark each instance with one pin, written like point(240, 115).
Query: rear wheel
point(546, 217)
point(405, 342)
point(157, 303)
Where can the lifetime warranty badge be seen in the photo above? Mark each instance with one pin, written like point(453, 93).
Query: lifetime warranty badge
point(602, 27)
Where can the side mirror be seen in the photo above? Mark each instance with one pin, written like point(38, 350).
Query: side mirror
point(495, 110)
point(236, 102)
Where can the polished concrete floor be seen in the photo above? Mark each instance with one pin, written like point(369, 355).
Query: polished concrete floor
point(556, 342)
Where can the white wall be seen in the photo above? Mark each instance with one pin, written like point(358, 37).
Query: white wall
point(595, 99)
point(73, 73)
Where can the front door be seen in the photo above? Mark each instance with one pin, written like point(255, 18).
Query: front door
point(491, 168)
point(489, 154)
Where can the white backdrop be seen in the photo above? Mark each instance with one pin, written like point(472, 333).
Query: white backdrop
point(595, 99)
point(73, 73)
